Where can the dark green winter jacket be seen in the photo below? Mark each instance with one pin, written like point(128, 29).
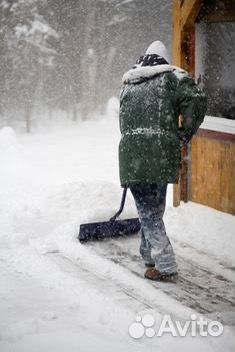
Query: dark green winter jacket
point(151, 100)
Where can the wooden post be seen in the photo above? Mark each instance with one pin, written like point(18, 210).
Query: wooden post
point(176, 60)
point(188, 63)
point(183, 54)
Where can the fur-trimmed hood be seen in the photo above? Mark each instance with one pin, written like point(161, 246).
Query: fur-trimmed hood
point(141, 73)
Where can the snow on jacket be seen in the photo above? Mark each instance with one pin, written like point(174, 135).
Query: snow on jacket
point(151, 100)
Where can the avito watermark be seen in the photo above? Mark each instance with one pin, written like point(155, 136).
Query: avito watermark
point(145, 325)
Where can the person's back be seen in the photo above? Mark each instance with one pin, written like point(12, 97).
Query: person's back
point(154, 94)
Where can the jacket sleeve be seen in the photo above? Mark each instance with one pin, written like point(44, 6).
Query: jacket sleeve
point(191, 103)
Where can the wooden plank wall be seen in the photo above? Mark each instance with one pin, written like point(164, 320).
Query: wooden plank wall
point(212, 180)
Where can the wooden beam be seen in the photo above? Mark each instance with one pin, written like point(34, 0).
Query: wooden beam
point(188, 50)
point(183, 47)
point(183, 36)
point(176, 60)
point(176, 33)
point(176, 194)
point(189, 12)
point(184, 174)
point(219, 17)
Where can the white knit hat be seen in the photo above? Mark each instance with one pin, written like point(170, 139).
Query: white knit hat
point(158, 48)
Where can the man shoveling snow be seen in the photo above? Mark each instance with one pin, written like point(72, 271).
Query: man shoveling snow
point(153, 96)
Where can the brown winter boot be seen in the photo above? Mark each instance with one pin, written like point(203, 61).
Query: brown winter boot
point(154, 274)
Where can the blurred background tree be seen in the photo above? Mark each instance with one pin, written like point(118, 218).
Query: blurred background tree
point(71, 54)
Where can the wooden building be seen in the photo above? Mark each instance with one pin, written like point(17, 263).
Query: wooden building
point(208, 163)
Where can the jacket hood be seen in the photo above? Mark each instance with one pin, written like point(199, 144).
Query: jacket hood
point(141, 73)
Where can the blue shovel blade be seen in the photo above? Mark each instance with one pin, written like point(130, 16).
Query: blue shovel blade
point(101, 230)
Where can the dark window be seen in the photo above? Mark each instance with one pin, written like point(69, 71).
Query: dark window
point(215, 67)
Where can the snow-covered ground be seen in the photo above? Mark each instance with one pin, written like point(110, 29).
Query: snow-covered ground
point(50, 183)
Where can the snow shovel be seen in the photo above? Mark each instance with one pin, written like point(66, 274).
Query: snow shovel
point(111, 228)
